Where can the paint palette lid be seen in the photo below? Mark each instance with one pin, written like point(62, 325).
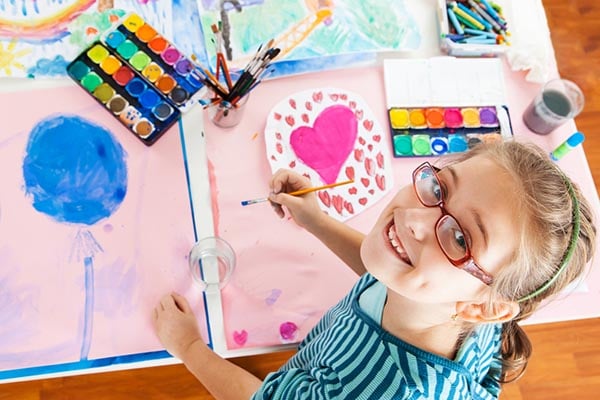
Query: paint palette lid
point(444, 82)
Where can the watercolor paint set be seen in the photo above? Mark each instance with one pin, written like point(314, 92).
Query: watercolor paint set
point(433, 131)
point(140, 77)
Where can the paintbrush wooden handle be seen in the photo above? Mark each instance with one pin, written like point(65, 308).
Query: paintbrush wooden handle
point(316, 188)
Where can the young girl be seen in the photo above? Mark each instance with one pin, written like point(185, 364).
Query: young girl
point(451, 266)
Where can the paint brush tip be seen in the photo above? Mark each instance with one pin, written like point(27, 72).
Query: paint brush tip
point(254, 201)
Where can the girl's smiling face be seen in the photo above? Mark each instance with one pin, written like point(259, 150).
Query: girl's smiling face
point(402, 250)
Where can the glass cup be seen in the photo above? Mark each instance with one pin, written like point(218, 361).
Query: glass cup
point(211, 261)
point(227, 115)
point(559, 101)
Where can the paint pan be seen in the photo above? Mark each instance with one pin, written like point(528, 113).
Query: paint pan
point(435, 131)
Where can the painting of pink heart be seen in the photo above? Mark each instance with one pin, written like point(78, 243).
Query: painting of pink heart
point(331, 135)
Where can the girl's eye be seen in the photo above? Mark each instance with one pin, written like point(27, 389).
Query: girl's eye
point(436, 189)
point(454, 242)
point(459, 239)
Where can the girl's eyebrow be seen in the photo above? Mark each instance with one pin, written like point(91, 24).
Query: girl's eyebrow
point(476, 215)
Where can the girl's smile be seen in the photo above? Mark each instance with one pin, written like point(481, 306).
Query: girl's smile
point(395, 244)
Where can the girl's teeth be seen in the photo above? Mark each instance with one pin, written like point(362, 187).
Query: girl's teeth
point(396, 245)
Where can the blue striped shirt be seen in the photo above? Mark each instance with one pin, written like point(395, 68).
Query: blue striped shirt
point(347, 355)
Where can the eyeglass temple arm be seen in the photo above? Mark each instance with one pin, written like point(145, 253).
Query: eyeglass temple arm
point(477, 272)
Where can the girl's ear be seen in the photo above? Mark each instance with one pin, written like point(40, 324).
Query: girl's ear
point(499, 311)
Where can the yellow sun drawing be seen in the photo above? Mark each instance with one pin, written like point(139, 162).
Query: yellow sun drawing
point(9, 56)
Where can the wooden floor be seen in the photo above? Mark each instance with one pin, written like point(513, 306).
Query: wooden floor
point(566, 360)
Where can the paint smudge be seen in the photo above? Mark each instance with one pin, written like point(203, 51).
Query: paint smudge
point(288, 331)
point(273, 296)
point(240, 337)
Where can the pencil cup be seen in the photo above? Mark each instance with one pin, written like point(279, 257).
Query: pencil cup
point(227, 115)
point(558, 101)
point(211, 261)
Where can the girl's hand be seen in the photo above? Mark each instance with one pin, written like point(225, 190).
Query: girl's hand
point(304, 209)
point(175, 325)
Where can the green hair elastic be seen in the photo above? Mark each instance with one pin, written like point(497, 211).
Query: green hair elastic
point(570, 250)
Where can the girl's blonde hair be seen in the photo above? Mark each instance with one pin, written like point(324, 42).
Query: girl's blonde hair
point(547, 204)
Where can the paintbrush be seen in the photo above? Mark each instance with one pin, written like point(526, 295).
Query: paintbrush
point(298, 192)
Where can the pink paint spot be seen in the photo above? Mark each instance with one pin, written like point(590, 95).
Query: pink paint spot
point(338, 203)
point(325, 199)
point(212, 178)
point(379, 158)
point(380, 180)
point(350, 172)
point(288, 331)
point(108, 228)
point(359, 154)
point(240, 337)
point(326, 146)
point(369, 166)
point(349, 207)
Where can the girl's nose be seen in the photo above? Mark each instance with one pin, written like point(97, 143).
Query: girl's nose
point(421, 221)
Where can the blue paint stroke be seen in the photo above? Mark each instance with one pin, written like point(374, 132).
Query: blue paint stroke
point(48, 67)
point(74, 170)
point(84, 245)
point(89, 308)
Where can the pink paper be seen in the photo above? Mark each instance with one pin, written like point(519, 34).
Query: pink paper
point(137, 254)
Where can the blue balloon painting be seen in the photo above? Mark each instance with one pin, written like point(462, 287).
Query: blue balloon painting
point(74, 170)
point(75, 173)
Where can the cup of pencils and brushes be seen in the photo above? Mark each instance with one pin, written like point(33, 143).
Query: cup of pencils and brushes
point(228, 98)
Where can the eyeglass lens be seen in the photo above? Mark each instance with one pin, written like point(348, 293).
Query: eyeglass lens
point(450, 236)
